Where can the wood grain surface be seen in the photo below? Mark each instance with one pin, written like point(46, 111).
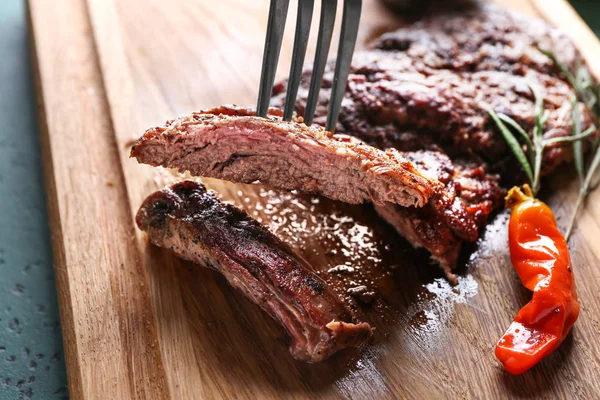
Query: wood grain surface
point(139, 323)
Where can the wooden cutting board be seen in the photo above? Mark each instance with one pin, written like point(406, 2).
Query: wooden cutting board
point(139, 323)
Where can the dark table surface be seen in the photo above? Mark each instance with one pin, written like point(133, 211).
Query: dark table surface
point(31, 354)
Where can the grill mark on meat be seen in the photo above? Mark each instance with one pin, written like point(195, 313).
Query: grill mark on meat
point(229, 143)
point(196, 226)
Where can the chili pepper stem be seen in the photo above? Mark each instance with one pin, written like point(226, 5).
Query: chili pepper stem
point(516, 196)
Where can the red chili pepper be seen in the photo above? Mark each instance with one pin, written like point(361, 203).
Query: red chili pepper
point(540, 255)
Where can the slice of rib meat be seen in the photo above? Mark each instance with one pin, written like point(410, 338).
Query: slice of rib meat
point(230, 143)
point(455, 215)
point(197, 226)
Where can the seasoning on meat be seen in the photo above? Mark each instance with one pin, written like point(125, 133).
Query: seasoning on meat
point(463, 199)
point(425, 91)
point(194, 224)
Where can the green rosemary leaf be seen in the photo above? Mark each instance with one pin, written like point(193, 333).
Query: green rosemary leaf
point(577, 146)
point(541, 117)
point(586, 84)
point(537, 166)
point(560, 65)
point(589, 94)
point(524, 135)
point(545, 117)
point(570, 139)
point(513, 143)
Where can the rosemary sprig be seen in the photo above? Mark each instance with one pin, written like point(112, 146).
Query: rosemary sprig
point(538, 144)
point(513, 143)
point(524, 135)
point(588, 93)
point(573, 139)
point(532, 162)
point(577, 146)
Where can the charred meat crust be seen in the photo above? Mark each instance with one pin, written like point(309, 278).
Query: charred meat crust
point(482, 37)
point(229, 143)
point(424, 87)
point(197, 226)
point(470, 193)
point(386, 97)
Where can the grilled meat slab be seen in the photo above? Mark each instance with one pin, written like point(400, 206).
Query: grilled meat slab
point(424, 90)
point(440, 76)
point(383, 98)
point(479, 36)
point(230, 143)
point(197, 226)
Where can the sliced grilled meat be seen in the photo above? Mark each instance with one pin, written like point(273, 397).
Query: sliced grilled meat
point(424, 87)
point(194, 224)
point(231, 143)
point(429, 86)
point(453, 214)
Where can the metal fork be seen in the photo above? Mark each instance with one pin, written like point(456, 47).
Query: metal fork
point(276, 25)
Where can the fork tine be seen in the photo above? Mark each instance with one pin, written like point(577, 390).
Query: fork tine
point(276, 25)
point(305, 11)
point(350, 23)
point(328, 9)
